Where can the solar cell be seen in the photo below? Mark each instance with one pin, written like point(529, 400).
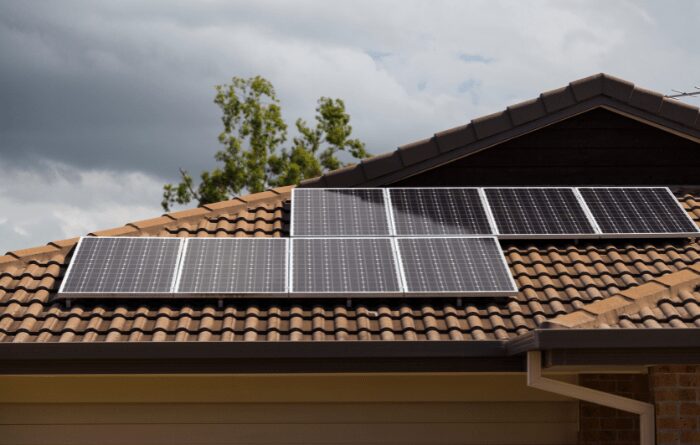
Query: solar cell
point(538, 212)
point(473, 266)
point(240, 266)
point(344, 266)
point(122, 266)
point(438, 211)
point(638, 211)
point(339, 212)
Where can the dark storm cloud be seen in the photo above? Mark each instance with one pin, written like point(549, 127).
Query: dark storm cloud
point(74, 89)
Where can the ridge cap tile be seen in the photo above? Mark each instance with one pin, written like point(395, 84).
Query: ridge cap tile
point(61, 244)
point(23, 253)
point(492, 124)
point(150, 223)
point(452, 138)
point(617, 88)
point(587, 87)
point(234, 202)
point(117, 231)
point(382, 164)
point(346, 176)
point(418, 151)
point(187, 213)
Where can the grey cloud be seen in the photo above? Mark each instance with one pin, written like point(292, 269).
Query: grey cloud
point(120, 92)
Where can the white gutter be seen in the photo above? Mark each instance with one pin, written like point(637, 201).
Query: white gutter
point(645, 410)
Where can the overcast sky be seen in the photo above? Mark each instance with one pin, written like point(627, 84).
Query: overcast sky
point(101, 102)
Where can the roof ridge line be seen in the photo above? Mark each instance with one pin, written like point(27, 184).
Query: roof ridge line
point(146, 226)
point(598, 90)
point(634, 299)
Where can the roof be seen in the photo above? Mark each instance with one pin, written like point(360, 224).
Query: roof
point(588, 284)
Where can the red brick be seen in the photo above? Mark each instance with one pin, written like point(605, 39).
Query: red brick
point(689, 380)
point(664, 380)
point(689, 408)
point(673, 394)
point(690, 437)
point(667, 409)
point(667, 437)
point(627, 437)
point(617, 423)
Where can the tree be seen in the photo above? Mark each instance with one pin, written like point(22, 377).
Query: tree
point(253, 157)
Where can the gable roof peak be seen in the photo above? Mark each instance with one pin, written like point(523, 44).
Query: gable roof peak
point(579, 96)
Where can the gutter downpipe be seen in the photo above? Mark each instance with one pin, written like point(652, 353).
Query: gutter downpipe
point(643, 409)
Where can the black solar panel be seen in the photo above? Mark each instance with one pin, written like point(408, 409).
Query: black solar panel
point(234, 266)
point(538, 211)
point(638, 211)
point(438, 211)
point(339, 212)
point(344, 266)
point(455, 266)
point(120, 265)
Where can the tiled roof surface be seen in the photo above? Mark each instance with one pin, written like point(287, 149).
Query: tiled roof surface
point(555, 279)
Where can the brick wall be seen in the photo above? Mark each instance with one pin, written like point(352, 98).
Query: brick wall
point(676, 394)
point(600, 425)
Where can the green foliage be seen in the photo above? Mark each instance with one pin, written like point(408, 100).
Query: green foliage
point(253, 157)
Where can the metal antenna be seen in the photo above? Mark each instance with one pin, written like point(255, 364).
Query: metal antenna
point(680, 94)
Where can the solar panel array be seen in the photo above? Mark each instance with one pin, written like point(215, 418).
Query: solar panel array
point(278, 267)
point(374, 242)
point(507, 212)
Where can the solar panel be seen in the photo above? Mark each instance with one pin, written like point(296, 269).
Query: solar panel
point(344, 266)
point(538, 212)
point(239, 266)
point(438, 211)
point(473, 266)
point(339, 212)
point(122, 266)
point(638, 211)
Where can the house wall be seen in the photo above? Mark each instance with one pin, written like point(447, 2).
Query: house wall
point(601, 425)
point(676, 394)
point(298, 409)
point(597, 147)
